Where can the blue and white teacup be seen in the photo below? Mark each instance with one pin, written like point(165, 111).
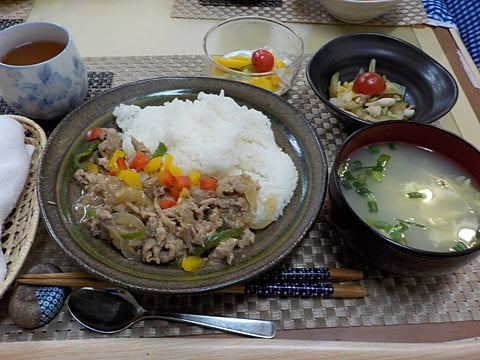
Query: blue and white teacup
point(45, 90)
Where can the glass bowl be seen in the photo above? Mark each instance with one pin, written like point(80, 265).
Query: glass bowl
point(229, 46)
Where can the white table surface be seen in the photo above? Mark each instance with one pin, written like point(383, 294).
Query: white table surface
point(144, 27)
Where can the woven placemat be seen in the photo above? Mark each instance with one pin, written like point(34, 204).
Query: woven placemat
point(392, 300)
point(15, 9)
point(408, 12)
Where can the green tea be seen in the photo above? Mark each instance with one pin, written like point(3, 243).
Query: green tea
point(413, 195)
point(32, 53)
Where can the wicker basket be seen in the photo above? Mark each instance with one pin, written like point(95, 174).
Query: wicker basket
point(20, 226)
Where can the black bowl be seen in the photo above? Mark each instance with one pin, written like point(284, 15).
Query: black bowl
point(429, 86)
point(371, 244)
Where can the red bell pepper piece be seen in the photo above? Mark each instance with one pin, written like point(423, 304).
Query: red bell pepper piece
point(93, 134)
point(166, 178)
point(182, 182)
point(139, 161)
point(167, 203)
point(209, 183)
point(174, 192)
point(122, 163)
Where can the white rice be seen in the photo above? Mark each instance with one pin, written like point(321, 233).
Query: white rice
point(217, 136)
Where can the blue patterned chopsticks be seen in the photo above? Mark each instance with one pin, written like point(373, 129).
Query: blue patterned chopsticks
point(311, 274)
point(303, 282)
point(290, 289)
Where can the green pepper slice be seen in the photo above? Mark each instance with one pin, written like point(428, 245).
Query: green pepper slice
point(214, 239)
point(77, 160)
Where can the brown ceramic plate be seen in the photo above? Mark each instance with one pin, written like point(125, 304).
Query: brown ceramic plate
point(58, 189)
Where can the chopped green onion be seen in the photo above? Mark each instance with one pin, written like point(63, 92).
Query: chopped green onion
point(356, 165)
point(376, 175)
point(373, 149)
point(416, 195)
point(348, 176)
point(345, 175)
point(382, 162)
point(408, 222)
point(346, 185)
point(398, 237)
point(379, 224)
point(359, 184)
point(459, 246)
point(342, 169)
point(395, 232)
point(371, 201)
point(362, 190)
point(401, 226)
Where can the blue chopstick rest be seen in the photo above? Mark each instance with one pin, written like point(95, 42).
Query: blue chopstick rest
point(289, 289)
point(32, 306)
point(50, 299)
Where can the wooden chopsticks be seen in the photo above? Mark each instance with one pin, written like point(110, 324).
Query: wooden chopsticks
point(285, 282)
point(299, 289)
point(70, 279)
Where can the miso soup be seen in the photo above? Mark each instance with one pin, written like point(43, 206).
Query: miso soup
point(413, 195)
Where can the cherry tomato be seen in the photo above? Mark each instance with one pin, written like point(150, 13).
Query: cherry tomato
point(262, 60)
point(369, 83)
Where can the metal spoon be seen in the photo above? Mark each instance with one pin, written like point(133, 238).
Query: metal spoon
point(113, 310)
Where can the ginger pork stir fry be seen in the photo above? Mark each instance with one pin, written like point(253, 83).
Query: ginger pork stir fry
point(153, 213)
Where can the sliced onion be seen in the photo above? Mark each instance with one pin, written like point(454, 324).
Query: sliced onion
point(251, 193)
point(116, 192)
point(270, 204)
point(127, 224)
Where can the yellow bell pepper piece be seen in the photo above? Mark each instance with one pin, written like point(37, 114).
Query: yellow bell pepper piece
point(264, 82)
point(92, 167)
point(233, 62)
point(153, 165)
point(276, 81)
point(168, 165)
point(184, 193)
point(192, 263)
point(195, 176)
point(279, 64)
point(131, 178)
point(112, 164)
point(175, 170)
point(167, 162)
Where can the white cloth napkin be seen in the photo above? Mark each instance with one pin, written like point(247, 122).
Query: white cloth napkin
point(15, 157)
